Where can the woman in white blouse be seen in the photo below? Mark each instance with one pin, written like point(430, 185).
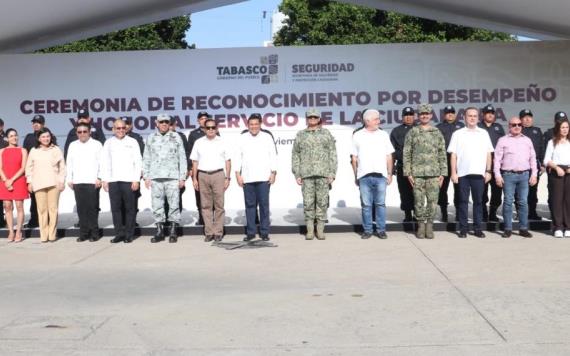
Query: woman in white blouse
point(557, 158)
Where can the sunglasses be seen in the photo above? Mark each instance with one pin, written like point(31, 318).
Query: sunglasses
point(164, 122)
point(82, 131)
point(210, 127)
point(516, 125)
point(313, 117)
point(120, 128)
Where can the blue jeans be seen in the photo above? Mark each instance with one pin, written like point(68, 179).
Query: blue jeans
point(373, 192)
point(515, 183)
point(257, 194)
point(473, 184)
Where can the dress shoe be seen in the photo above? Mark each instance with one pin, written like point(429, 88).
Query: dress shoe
point(479, 234)
point(173, 239)
point(128, 240)
point(81, 239)
point(365, 235)
point(31, 225)
point(506, 234)
point(264, 238)
point(117, 239)
point(382, 235)
point(94, 238)
point(208, 238)
point(249, 238)
point(462, 234)
point(525, 233)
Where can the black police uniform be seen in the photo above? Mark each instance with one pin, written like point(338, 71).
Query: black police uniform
point(495, 132)
point(398, 137)
point(535, 135)
point(447, 130)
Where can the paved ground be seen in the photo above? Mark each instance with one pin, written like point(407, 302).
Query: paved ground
point(342, 296)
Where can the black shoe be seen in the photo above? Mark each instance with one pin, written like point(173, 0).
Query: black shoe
point(159, 234)
point(208, 238)
point(382, 235)
point(218, 238)
point(264, 238)
point(128, 240)
point(173, 237)
point(31, 225)
point(249, 238)
point(479, 234)
point(462, 234)
point(506, 234)
point(535, 217)
point(81, 239)
point(117, 239)
point(365, 235)
point(525, 233)
point(94, 238)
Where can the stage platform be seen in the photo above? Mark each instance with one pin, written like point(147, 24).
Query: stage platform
point(283, 221)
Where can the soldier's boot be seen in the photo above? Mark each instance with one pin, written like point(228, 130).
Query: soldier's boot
point(421, 233)
point(159, 234)
point(310, 230)
point(493, 215)
point(173, 237)
point(408, 217)
point(429, 230)
point(320, 230)
point(444, 213)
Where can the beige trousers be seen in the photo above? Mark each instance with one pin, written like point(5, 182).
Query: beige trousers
point(212, 200)
point(47, 200)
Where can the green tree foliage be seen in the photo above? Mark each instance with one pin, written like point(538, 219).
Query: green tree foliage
point(166, 34)
point(323, 22)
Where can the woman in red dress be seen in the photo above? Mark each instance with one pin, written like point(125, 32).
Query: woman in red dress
point(13, 186)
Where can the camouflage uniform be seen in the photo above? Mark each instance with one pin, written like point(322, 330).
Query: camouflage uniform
point(164, 162)
point(314, 160)
point(425, 160)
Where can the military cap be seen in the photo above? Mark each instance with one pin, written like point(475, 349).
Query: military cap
point(312, 112)
point(202, 113)
point(407, 111)
point(423, 108)
point(488, 108)
point(525, 112)
point(82, 113)
point(163, 117)
point(39, 119)
point(449, 109)
point(559, 116)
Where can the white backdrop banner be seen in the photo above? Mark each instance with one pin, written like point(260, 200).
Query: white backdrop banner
point(281, 83)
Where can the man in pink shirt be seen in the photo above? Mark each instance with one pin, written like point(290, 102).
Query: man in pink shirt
point(515, 169)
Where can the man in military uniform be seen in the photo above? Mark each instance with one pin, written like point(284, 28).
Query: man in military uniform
point(38, 123)
point(548, 135)
point(398, 137)
point(314, 165)
point(535, 135)
point(194, 135)
point(164, 171)
point(425, 165)
point(188, 164)
point(447, 127)
point(495, 132)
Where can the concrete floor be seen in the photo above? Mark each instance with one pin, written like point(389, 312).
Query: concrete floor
point(342, 296)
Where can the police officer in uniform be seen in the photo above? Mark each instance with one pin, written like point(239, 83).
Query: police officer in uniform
point(447, 127)
point(194, 135)
point(495, 132)
point(38, 123)
point(398, 137)
point(535, 135)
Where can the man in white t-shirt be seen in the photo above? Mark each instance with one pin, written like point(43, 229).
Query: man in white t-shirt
point(372, 165)
point(470, 149)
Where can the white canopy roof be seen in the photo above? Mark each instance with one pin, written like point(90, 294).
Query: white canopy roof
point(27, 25)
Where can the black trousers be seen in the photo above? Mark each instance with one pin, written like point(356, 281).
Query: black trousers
point(405, 189)
point(470, 184)
point(443, 200)
point(123, 208)
point(33, 210)
point(87, 199)
point(560, 200)
point(496, 195)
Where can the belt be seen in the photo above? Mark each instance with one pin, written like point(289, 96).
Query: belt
point(514, 172)
point(211, 172)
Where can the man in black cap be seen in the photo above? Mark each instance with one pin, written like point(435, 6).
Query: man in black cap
point(535, 135)
point(38, 123)
point(194, 135)
point(548, 135)
point(447, 127)
point(495, 132)
point(398, 137)
point(96, 132)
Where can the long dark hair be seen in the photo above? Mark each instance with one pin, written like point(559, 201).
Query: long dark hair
point(41, 131)
point(557, 136)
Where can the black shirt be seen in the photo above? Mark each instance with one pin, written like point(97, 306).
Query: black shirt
point(398, 137)
point(448, 129)
point(535, 135)
point(495, 131)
